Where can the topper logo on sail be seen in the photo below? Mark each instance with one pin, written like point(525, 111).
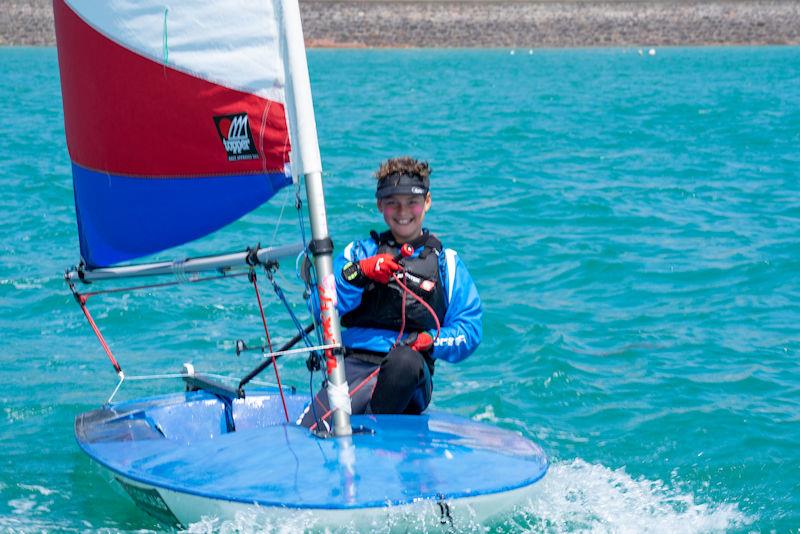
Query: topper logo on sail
point(234, 130)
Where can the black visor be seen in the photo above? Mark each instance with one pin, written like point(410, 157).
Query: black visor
point(402, 184)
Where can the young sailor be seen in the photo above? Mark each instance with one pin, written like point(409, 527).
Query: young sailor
point(390, 352)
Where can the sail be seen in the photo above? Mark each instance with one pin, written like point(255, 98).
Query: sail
point(174, 116)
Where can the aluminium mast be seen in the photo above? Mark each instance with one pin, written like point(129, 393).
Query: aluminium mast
point(306, 162)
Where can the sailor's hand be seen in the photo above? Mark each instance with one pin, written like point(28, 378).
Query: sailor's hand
point(420, 342)
point(379, 267)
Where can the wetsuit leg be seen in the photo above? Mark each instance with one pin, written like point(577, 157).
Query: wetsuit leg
point(355, 371)
point(404, 383)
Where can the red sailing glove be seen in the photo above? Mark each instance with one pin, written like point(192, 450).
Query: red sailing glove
point(421, 343)
point(379, 267)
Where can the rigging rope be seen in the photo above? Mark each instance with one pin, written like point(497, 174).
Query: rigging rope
point(402, 314)
point(164, 42)
point(82, 298)
point(264, 118)
point(280, 217)
point(269, 341)
point(153, 286)
point(82, 301)
point(182, 278)
point(352, 392)
point(421, 301)
point(282, 297)
point(310, 285)
point(165, 376)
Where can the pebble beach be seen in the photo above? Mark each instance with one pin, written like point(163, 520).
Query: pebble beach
point(488, 24)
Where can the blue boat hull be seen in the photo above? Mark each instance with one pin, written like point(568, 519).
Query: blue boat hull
point(180, 460)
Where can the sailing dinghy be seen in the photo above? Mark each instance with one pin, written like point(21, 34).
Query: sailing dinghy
point(179, 120)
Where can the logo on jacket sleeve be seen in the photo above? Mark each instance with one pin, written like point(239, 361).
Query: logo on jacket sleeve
point(460, 339)
point(234, 130)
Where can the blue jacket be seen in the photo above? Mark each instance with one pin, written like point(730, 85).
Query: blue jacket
point(461, 330)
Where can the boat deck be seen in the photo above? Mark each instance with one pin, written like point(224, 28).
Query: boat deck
point(181, 442)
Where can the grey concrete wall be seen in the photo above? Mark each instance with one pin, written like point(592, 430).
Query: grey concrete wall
point(499, 23)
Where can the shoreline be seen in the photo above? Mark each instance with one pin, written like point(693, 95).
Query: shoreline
point(499, 23)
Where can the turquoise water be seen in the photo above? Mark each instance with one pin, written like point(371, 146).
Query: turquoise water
point(632, 223)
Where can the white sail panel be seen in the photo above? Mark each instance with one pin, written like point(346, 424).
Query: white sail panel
point(233, 43)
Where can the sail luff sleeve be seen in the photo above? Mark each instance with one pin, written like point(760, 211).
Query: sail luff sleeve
point(175, 121)
point(300, 105)
point(301, 114)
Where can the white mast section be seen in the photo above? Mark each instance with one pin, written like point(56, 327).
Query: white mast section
point(306, 161)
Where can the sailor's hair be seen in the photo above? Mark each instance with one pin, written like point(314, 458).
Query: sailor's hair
point(404, 165)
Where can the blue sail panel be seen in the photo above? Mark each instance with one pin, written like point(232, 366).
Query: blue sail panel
point(121, 218)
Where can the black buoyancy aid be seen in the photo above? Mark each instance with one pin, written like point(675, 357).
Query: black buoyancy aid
point(381, 305)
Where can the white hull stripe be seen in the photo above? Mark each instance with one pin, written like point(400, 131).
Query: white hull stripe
point(449, 514)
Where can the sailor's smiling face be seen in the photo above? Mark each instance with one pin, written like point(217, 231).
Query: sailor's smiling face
point(404, 214)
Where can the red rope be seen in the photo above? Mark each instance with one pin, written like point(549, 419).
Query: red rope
point(352, 392)
point(82, 301)
point(83, 297)
point(402, 314)
point(419, 299)
point(269, 344)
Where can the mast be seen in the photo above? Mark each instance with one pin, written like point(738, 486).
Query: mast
point(306, 161)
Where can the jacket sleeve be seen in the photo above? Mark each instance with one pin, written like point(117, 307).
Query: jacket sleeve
point(349, 296)
point(462, 330)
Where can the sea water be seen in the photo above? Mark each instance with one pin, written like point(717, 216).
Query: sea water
point(631, 220)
